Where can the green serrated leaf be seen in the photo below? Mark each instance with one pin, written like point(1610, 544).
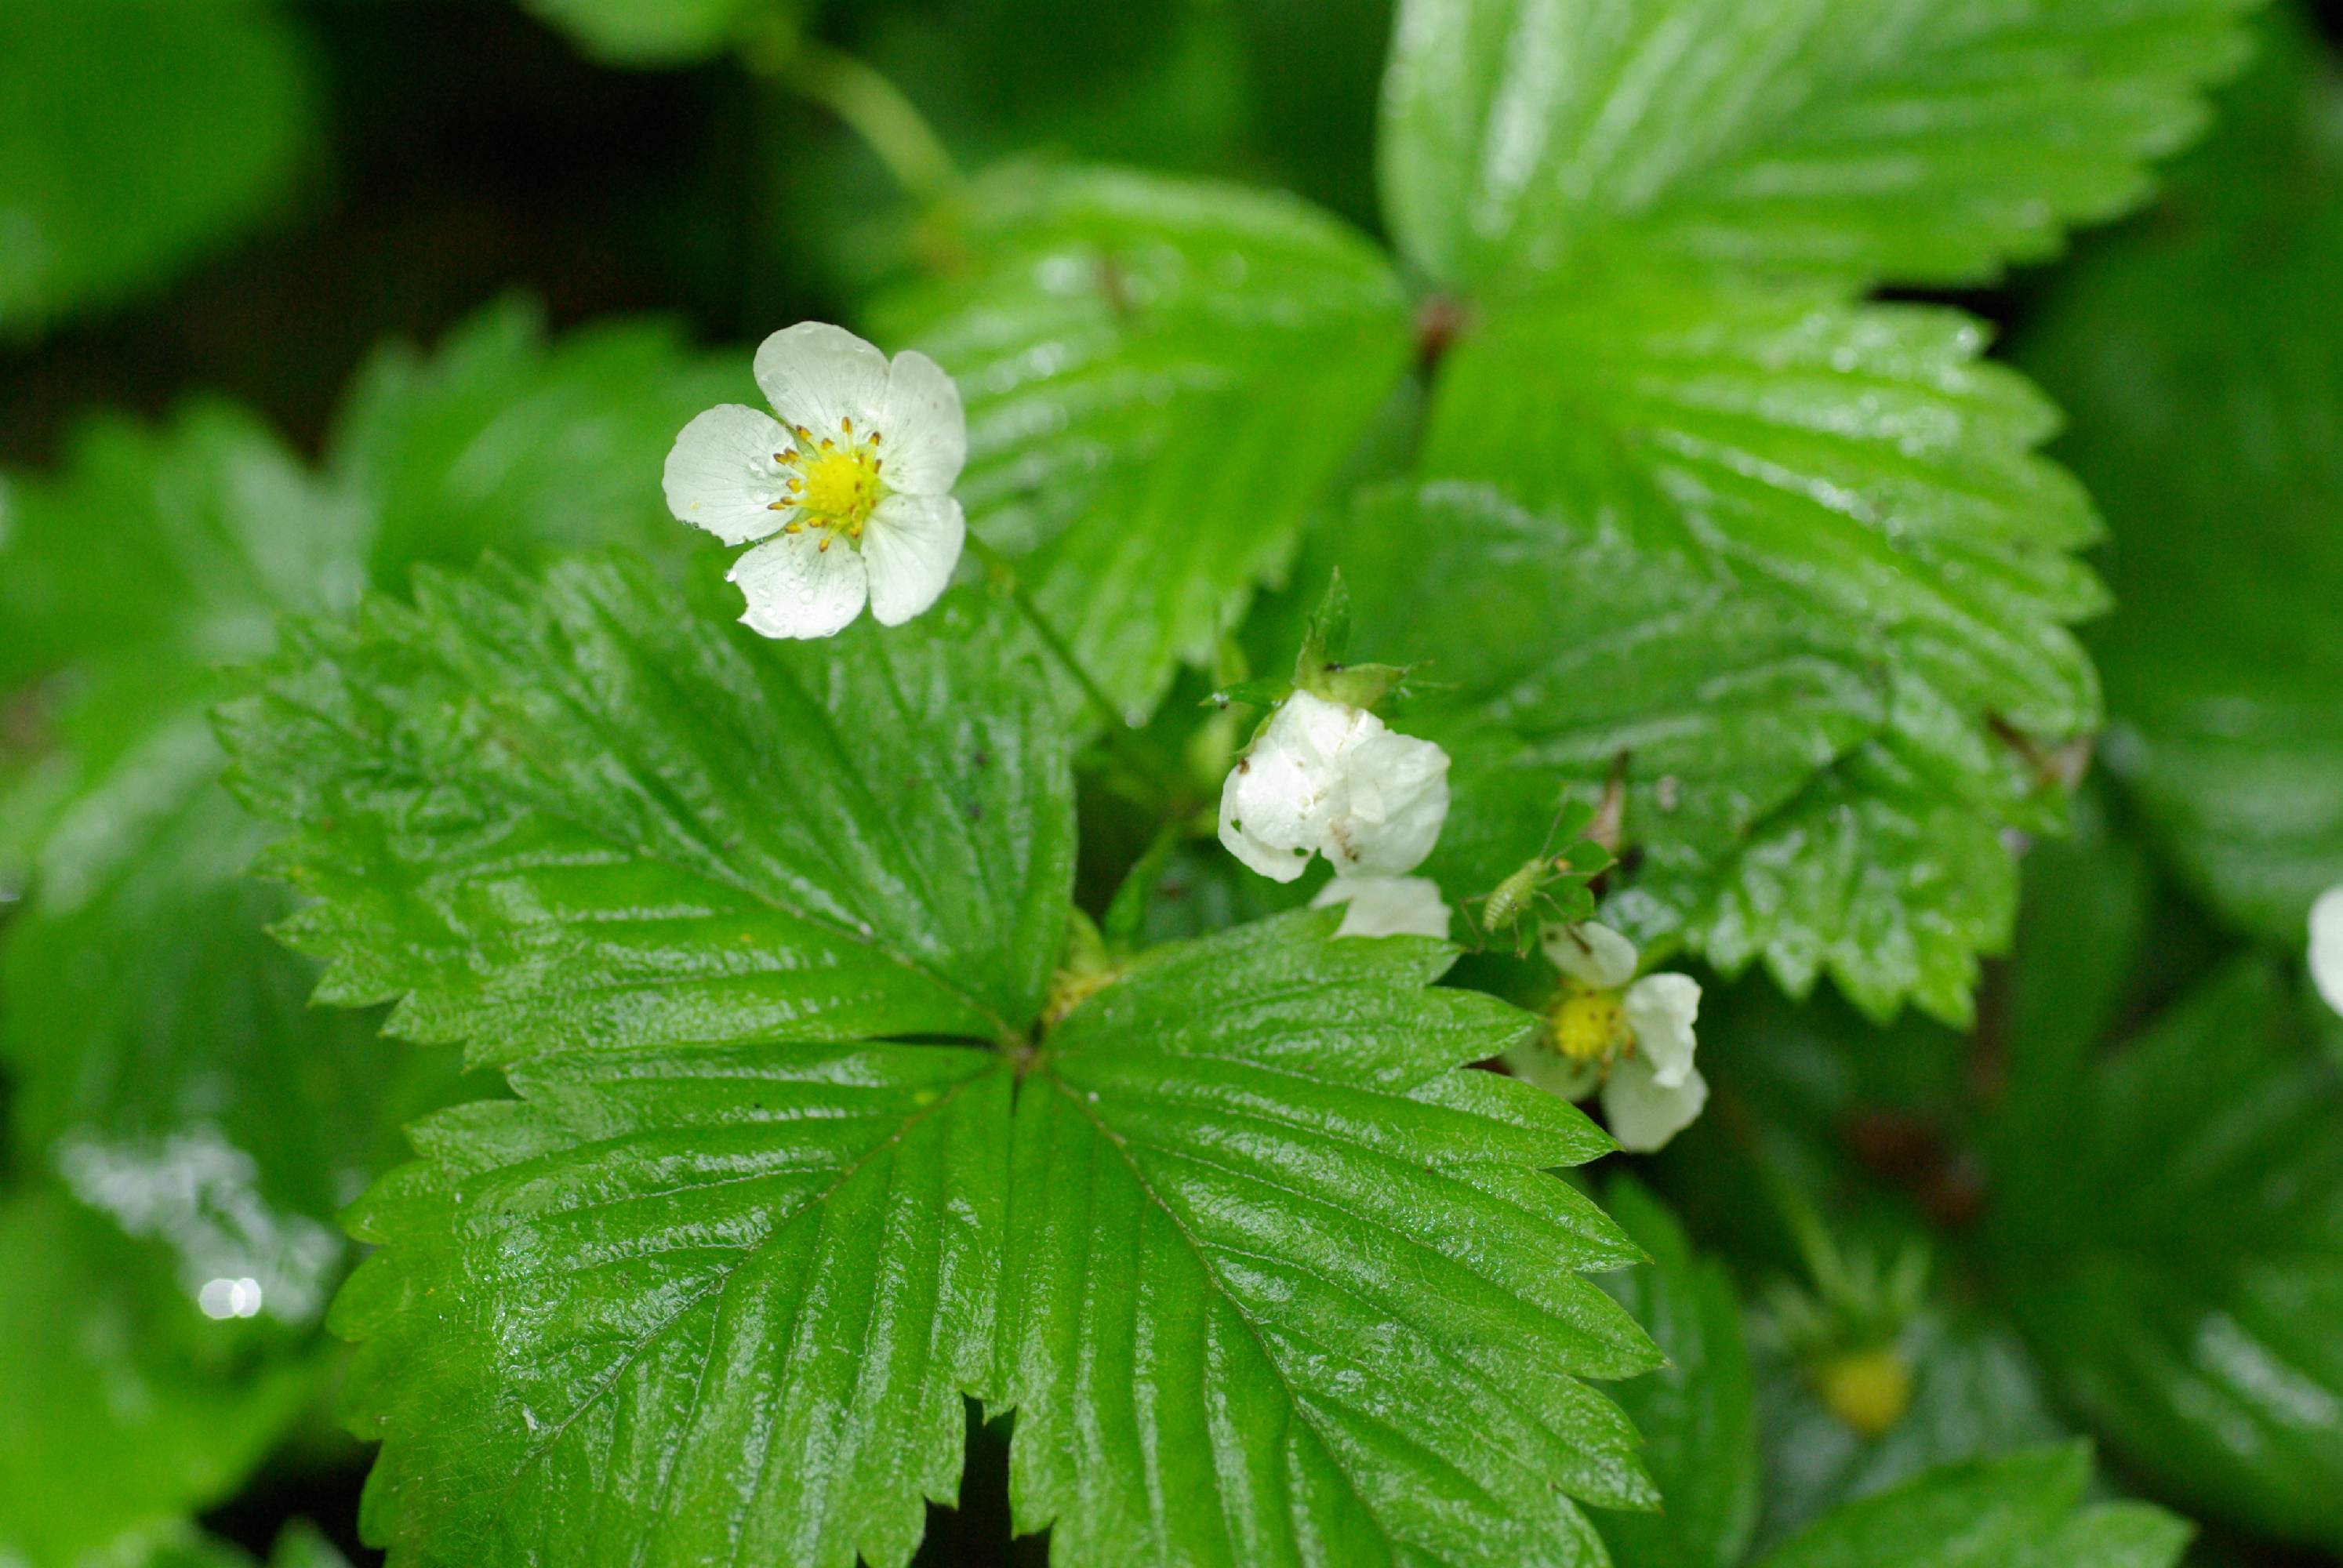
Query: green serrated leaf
point(1862, 459)
point(682, 1304)
point(1697, 1413)
point(1161, 376)
point(1852, 141)
point(575, 808)
point(2175, 1255)
point(135, 138)
point(2197, 355)
point(1284, 1286)
point(2018, 1511)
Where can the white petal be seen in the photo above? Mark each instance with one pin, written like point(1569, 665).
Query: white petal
point(1643, 1114)
point(926, 434)
point(1386, 906)
point(1592, 954)
point(1533, 1061)
point(2326, 947)
point(816, 375)
point(797, 589)
point(1662, 1009)
point(721, 476)
point(910, 547)
point(1280, 796)
point(1398, 801)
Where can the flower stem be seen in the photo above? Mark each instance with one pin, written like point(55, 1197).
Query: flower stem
point(1157, 774)
point(873, 107)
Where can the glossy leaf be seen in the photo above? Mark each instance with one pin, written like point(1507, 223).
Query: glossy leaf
point(1161, 376)
point(1697, 1413)
point(2175, 1255)
point(1851, 141)
point(575, 809)
point(1863, 460)
point(135, 138)
point(2018, 1511)
point(2198, 357)
point(683, 1304)
point(1284, 1286)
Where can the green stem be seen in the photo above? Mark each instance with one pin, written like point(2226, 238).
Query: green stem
point(1149, 770)
point(873, 107)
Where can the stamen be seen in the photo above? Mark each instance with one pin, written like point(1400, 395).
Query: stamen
point(845, 425)
point(827, 540)
point(777, 506)
point(875, 435)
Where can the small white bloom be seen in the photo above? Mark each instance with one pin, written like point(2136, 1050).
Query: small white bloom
point(1386, 906)
point(2326, 947)
point(1326, 778)
point(850, 488)
point(1631, 1039)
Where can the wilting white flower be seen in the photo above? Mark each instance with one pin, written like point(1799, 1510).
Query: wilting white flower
point(1386, 906)
point(850, 488)
point(1632, 1039)
point(1332, 780)
point(2326, 947)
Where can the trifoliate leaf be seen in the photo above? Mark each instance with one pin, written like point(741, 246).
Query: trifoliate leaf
point(1697, 1414)
point(2175, 1256)
point(1862, 467)
point(1284, 1286)
point(1161, 376)
point(1851, 141)
point(134, 138)
point(680, 1304)
point(2018, 1511)
point(2196, 353)
point(574, 809)
point(127, 1406)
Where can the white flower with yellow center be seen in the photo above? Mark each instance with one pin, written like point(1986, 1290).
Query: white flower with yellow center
point(1632, 1039)
point(2326, 947)
point(1386, 906)
point(850, 488)
point(1328, 779)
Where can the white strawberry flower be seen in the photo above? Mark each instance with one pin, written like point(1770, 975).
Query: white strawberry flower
point(1386, 906)
point(1630, 1039)
point(1328, 779)
point(2326, 947)
point(850, 490)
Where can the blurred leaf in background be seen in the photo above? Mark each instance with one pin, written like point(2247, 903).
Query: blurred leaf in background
point(136, 135)
point(2197, 355)
point(169, 1070)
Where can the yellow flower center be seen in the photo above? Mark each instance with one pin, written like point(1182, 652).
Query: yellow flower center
point(834, 482)
point(1870, 1390)
point(1586, 1025)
